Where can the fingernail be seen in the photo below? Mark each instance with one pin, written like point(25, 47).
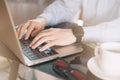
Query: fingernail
point(19, 37)
point(30, 45)
point(41, 50)
point(26, 38)
point(33, 47)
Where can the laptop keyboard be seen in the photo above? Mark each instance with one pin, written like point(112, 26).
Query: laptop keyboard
point(34, 54)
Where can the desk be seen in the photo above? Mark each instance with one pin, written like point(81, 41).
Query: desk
point(12, 69)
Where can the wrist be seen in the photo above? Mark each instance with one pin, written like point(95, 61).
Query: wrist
point(44, 20)
point(41, 20)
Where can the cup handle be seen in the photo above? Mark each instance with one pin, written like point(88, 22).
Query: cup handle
point(97, 51)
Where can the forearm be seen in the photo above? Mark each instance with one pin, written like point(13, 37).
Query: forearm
point(61, 11)
point(108, 31)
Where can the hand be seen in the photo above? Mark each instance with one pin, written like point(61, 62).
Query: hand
point(33, 27)
point(52, 37)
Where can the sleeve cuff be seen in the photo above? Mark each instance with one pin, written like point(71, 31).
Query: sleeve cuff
point(91, 34)
point(47, 16)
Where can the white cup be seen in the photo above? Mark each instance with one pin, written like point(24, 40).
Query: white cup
point(108, 58)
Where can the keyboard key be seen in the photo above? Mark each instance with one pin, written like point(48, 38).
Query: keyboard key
point(34, 54)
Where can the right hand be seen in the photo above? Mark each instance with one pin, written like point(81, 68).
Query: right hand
point(33, 27)
point(53, 37)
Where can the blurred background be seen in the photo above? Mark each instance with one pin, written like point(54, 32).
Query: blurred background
point(23, 10)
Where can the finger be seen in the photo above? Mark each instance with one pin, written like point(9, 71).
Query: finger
point(18, 30)
point(40, 35)
point(47, 30)
point(30, 29)
point(35, 32)
point(48, 45)
point(40, 41)
point(22, 29)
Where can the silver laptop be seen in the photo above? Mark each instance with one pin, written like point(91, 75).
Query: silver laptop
point(21, 47)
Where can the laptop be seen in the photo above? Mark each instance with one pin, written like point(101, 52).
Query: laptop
point(21, 49)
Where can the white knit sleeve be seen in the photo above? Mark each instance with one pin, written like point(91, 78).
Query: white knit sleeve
point(61, 11)
point(105, 32)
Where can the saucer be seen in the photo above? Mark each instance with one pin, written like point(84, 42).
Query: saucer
point(94, 69)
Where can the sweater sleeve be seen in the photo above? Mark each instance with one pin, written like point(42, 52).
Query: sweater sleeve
point(61, 11)
point(105, 32)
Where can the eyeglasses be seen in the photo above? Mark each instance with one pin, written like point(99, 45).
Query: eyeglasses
point(61, 67)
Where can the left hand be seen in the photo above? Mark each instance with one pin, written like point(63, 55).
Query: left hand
point(53, 36)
